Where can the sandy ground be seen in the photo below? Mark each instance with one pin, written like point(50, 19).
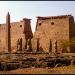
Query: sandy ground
point(57, 70)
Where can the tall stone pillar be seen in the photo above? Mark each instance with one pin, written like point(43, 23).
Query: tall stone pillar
point(56, 46)
point(8, 37)
point(50, 46)
point(38, 44)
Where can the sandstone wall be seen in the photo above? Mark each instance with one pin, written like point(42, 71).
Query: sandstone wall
point(72, 32)
point(54, 29)
point(2, 37)
point(17, 32)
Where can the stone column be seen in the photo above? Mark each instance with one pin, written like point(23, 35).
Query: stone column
point(38, 44)
point(8, 38)
point(56, 46)
point(50, 46)
point(26, 44)
point(21, 44)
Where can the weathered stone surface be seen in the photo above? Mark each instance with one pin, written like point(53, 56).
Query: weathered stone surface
point(56, 28)
point(17, 31)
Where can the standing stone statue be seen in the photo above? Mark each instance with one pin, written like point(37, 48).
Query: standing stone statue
point(50, 46)
point(38, 44)
point(29, 44)
point(26, 44)
point(19, 44)
point(56, 46)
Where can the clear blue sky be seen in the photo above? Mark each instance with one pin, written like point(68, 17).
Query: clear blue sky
point(31, 9)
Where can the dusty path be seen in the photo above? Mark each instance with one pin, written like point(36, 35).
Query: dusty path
point(57, 70)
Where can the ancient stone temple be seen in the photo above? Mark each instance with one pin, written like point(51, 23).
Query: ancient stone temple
point(48, 37)
point(51, 31)
point(10, 33)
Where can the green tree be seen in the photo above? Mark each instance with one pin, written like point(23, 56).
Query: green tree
point(72, 41)
point(65, 44)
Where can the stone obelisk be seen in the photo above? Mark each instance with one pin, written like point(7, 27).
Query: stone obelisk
point(8, 36)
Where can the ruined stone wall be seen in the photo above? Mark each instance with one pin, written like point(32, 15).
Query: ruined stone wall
point(17, 32)
point(52, 28)
point(71, 27)
point(2, 37)
point(72, 33)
